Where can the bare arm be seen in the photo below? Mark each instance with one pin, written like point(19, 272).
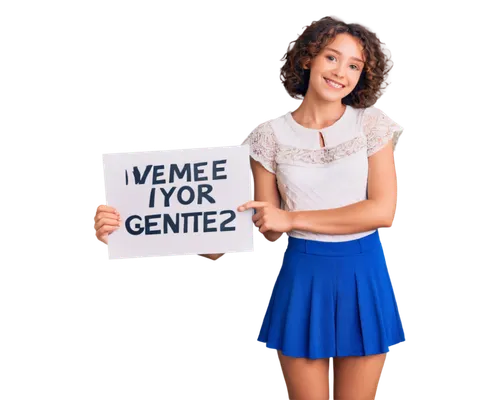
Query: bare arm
point(266, 189)
point(377, 211)
point(214, 256)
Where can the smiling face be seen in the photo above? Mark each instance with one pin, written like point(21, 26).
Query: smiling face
point(339, 62)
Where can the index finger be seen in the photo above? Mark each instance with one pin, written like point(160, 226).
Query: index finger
point(105, 208)
point(252, 204)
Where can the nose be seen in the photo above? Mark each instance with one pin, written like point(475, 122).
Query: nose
point(338, 71)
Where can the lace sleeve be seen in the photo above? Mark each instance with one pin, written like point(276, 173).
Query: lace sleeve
point(263, 145)
point(379, 129)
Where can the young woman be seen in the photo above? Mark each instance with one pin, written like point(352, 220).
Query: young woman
point(330, 164)
point(325, 175)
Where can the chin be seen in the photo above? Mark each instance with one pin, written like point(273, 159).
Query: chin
point(330, 97)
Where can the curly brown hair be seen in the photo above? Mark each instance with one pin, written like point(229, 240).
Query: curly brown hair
point(312, 41)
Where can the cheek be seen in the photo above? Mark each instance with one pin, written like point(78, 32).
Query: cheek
point(353, 78)
point(319, 69)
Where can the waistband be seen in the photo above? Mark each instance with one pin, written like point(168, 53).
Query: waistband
point(356, 246)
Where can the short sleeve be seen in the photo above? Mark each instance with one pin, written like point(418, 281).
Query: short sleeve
point(263, 146)
point(379, 129)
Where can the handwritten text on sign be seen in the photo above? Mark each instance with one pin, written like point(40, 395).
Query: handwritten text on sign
point(189, 202)
point(183, 195)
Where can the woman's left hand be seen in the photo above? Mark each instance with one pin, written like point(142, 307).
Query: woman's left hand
point(268, 217)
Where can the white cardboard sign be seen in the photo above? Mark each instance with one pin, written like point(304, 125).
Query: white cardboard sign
point(179, 201)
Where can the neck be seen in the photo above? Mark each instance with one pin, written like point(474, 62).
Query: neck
point(316, 113)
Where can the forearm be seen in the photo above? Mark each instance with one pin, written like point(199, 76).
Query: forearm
point(358, 217)
point(272, 236)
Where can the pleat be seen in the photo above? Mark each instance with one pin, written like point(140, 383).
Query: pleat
point(332, 306)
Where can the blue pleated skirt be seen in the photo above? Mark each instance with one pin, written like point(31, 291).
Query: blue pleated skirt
point(332, 299)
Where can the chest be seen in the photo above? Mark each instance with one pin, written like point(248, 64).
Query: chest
point(306, 169)
point(321, 168)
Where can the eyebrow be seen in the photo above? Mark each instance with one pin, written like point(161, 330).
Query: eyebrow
point(336, 51)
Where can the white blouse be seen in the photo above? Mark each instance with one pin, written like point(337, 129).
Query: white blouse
point(312, 177)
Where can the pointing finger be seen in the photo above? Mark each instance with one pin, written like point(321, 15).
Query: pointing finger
point(252, 204)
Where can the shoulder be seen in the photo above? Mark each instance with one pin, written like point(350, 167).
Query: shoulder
point(266, 131)
point(267, 127)
point(263, 143)
point(379, 128)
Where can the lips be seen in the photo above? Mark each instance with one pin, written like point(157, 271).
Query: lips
point(334, 84)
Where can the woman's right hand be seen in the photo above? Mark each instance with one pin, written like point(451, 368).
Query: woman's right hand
point(107, 220)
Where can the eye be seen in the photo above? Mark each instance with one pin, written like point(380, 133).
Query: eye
point(330, 57)
point(353, 65)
